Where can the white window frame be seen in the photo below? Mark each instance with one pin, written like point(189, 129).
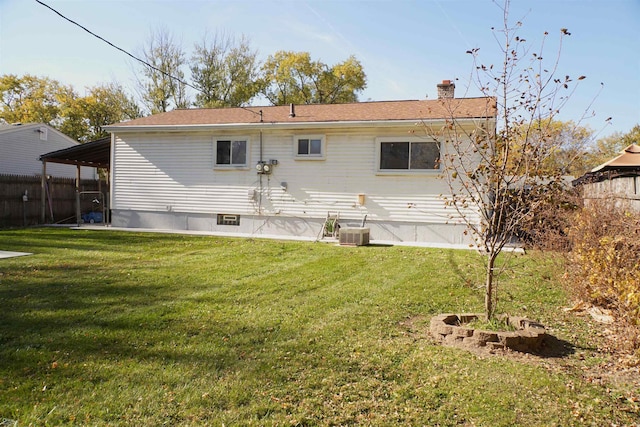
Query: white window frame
point(231, 166)
point(323, 147)
point(410, 140)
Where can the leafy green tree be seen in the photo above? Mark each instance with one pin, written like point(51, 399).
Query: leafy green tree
point(341, 83)
point(611, 146)
point(163, 88)
point(71, 120)
point(85, 116)
point(226, 72)
point(31, 99)
point(108, 104)
point(631, 137)
point(562, 147)
point(292, 77)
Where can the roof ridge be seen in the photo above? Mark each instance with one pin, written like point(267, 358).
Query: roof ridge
point(388, 101)
point(633, 149)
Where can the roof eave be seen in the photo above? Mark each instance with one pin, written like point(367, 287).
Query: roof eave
point(281, 125)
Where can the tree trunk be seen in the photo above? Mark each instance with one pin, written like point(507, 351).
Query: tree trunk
point(488, 296)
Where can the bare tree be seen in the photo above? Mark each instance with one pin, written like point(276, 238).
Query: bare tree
point(502, 169)
point(162, 87)
point(226, 71)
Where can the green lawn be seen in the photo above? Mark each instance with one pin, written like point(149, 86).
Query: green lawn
point(118, 328)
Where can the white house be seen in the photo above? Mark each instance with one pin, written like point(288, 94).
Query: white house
point(21, 146)
point(283, 170)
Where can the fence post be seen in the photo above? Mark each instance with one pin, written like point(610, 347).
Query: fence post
point(25, 199)
point(43, 196)
point(78, 215)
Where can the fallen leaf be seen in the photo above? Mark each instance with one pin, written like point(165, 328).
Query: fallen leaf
point(601, 315)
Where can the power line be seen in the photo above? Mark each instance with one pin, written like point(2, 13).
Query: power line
point(259, 113)
point(119, 48)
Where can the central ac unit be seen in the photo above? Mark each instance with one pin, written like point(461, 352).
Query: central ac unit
point(354, 236)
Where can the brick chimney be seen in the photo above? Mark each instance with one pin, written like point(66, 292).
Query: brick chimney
point(446, 89)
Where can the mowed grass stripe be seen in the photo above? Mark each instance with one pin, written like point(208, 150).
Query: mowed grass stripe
point(112, 328)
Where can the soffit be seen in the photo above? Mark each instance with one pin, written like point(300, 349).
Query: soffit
point(94, 154)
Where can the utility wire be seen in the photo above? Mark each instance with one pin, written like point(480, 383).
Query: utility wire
point(259, 113)
point(119, 48)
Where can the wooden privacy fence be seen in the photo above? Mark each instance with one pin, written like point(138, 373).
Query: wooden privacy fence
point(21, 205)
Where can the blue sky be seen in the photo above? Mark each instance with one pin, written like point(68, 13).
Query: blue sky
point(406, 47)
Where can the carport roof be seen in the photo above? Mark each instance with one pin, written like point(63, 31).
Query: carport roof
point(93, 154)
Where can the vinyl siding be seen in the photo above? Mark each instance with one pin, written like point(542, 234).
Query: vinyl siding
point(21, 148)
point(174, 172)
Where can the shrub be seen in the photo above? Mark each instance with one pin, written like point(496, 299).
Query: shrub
point(550, 215)
point(604, 266)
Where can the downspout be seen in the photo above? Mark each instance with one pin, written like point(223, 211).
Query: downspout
point(110, 175)
point(260, 180)
point(108, 196)
point(260, 175)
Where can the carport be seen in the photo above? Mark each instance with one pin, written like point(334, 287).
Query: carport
point(95, 154)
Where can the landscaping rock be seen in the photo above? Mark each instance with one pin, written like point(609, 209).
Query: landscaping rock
point(451, 329)
point(485, 336)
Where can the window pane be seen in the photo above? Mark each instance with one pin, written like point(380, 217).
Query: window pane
point(223, 153)
point(303, 146)
point(424, 155)
point(316, 146)
point(239, 153)
point(394, 155)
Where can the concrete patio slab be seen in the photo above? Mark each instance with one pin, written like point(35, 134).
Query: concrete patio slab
point(8, 254)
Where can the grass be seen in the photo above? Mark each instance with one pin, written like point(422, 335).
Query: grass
point(116, 328)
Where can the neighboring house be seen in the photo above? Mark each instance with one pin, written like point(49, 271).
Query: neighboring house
point(617, 179)
point(21, 146)
point(283, 170)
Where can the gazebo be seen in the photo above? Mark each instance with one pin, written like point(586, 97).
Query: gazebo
point(617, 179)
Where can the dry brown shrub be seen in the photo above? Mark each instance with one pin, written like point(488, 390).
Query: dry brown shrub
point(549, 219)
point(604, 263)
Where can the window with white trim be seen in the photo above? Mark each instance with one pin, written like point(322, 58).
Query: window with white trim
point(408, 154)
point(310, 147)
point(231, 152)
